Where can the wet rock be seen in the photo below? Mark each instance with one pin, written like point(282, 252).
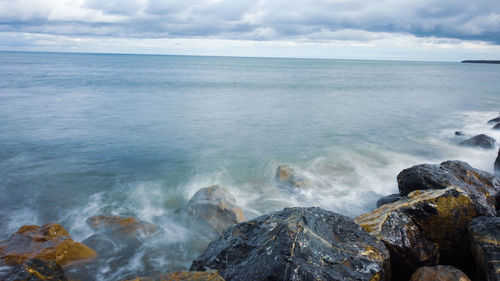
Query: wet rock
point(496, 166)
point(459, 133)
point(481, 140)
point(215, 207)
point(388, 199)
point(184, 276)
point(48, 242)
point(297, 244)
point(496, 127)
point(287, 176)
point(122, 225)
point(494, 120)
point(35, 270)
point(423, 229)
point(484, 235)
point(439, 273)
point(480, 185)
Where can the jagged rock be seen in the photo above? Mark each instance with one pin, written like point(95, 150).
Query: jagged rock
point(388, 199)
point(496, 166)
point(297, 244)
point(484, 236)
point(423, 227)
point(122, 225)
point(494, 120)
point(459, 133)
point(481, 186)
point(496, 127)
point(215, 207)
point(35, 270)
point(439, 273)
point(481, 140)
point(287, 176)
point(184, 276)
point(48, 242)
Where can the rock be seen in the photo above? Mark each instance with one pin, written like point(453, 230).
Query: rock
point(122, 225)
point(484, 236)
point(48, 242)
point(35, 270)
point(481, 140)
point(287, 176)
point(494, 120)
point(459, 133)
point(481, 186)
point(215, 207)
point(496, 127)
point(297, 244)
point(439, 273)
point(496, 166)
point(423, 229)
point(184, 276)
point(388, 199)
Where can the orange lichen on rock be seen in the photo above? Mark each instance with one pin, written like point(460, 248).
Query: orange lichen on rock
point(49, 242)
point(184, 276)
point(124, 225)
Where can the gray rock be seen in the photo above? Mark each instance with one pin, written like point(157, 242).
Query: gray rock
point(287, 176)
point(496, 127)
point(388, 199)
point(484, 237)
point(496, 166)
point(481, 186)
point(297, 244)
point(481, 140)
point(459, 133)
point(494, 120)
point(35, 270)
point(215, 207)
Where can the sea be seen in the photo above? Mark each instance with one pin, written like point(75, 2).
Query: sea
point(137, 135)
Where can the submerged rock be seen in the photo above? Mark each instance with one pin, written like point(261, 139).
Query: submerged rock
point(439, 273)
point(35, 270)
point(215, 207)
point(494, 120)
point(481, 186)
point(122, 225)
point(388, 199)
point(422, 229)
point(481, 140)
point(496, 166)
point(287, 176)
point(484, 236)
point(184, 276)
point(297, 244)
point(459, 133)
point(496, 127)
point(49, 242)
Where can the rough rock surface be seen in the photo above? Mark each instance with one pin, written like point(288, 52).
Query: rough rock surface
point(287, 176)
point(297, 244)
point(215, 207)
point(34, 270)
point(184, 276)
point(388, 199)
point(423, 228)
point(497, 164)
point(48, 242)
point(481, 186)
point(484, 236)
point(494, 120)
point(439, 273)
point(481, 140)
point(123, 225)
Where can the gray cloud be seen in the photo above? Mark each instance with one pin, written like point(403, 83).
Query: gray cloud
point(353, 20)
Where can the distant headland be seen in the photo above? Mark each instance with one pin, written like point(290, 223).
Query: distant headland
point(482, 61)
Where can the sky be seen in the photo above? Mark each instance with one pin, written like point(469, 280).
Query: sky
point(434, 30)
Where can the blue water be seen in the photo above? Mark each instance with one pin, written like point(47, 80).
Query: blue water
point(137, 135)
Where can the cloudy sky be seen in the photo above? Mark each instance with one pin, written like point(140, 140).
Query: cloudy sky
point(443, 30)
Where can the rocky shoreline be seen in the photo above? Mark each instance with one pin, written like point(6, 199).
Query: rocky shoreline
point(443, 224)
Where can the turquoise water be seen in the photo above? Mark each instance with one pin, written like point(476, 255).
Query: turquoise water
point(136, 135)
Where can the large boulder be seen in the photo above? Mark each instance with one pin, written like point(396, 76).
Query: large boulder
point(121, 225)
point(481, 140)
point(215, 207)
point(494, 120)
point(184, 276)
point(34, 270)
point(388, 199)
point(481, 186)
point(297, 244)
point(48, 242)
point(422, 229)
point(496, 166)
point(439, 273)
point(286, 176)
point(484, 236)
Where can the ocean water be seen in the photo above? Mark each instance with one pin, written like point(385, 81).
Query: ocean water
point(137, 135)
